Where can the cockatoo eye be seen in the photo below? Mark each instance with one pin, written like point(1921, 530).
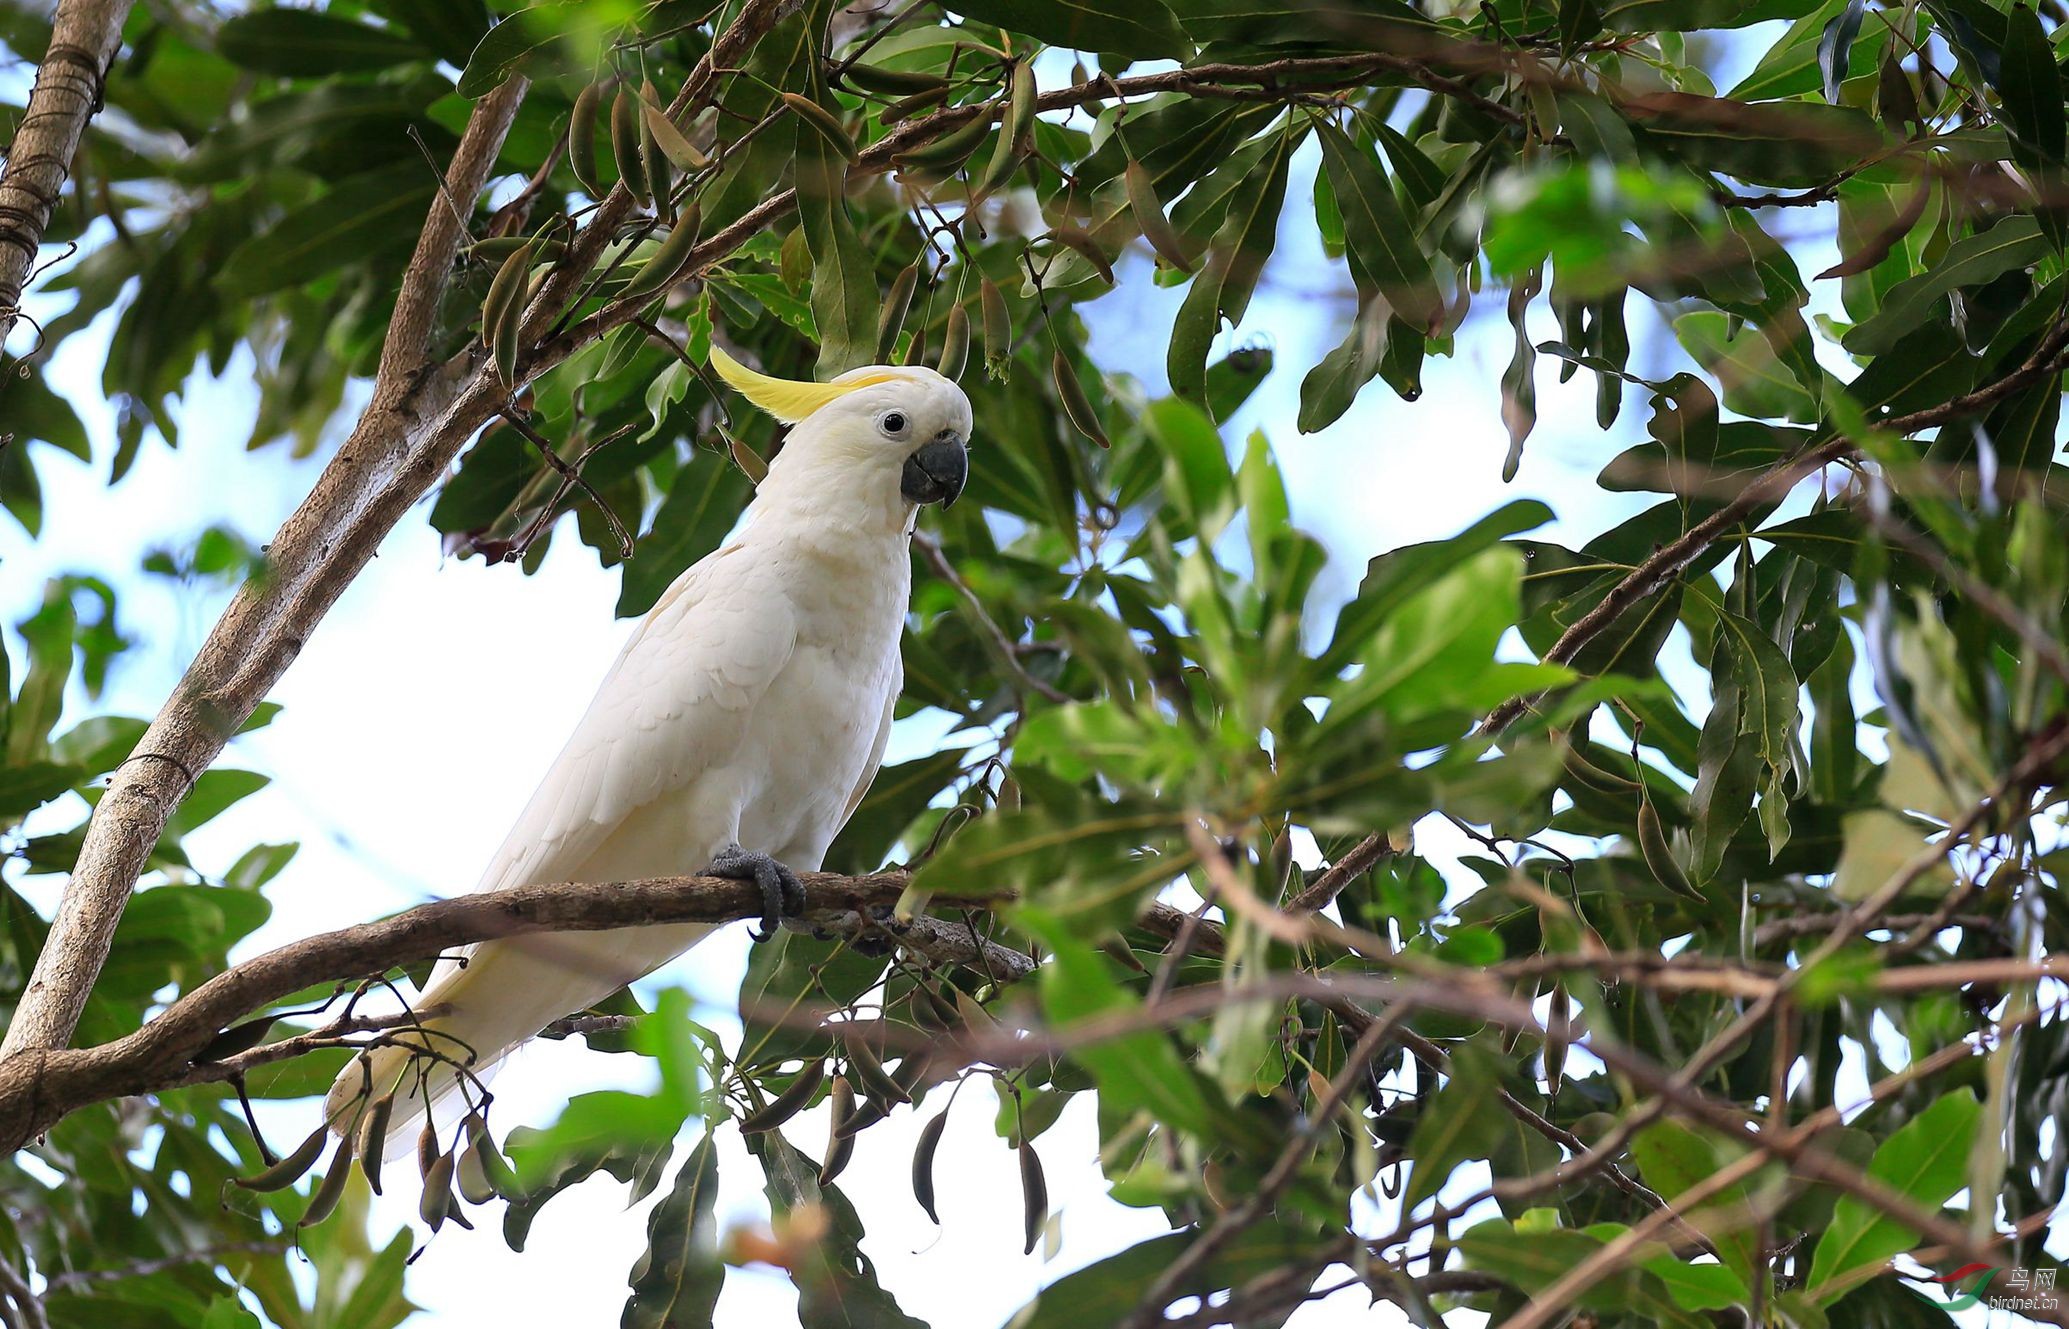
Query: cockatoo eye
point(894, 424)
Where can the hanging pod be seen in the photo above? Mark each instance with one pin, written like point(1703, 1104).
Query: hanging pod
point(1150, 219)
point(893, 82)
point(289, 1170)
point(1034, 1195)
point(373, 1138)
point(1659, 855)
point(632, 172)
point(907, 107)
point(436, 1200)
point(687, 156)
point(1076, 404)
point(332, 1188)
point(582, 140)
point(870, 1074)
point(1015, 128)
point(839, 1148)
point(653, 163)
point(671, 258)
point(789, 1103)
point(998, 327)
point(950, 149)
point(955, 343)
point(502, 311)
point(923, 1164)
point(823, 122)
point(892, 319)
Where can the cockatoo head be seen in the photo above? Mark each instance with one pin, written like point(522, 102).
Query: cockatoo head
point(896, 435)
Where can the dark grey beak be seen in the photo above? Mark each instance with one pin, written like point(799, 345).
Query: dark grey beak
point(935, 474)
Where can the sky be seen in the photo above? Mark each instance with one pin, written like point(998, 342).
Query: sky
point(419, 715)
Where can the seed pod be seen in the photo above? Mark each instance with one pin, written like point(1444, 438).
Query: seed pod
point(906, 107)
point(1014, 131)
point(427, 1148)
point(671, 258)
point(841, 1102)
point(332, 1188)
point(893, 82)
point(237, 1038)
point(473, 1178)
point(1556, 1038)
point(955, 344)
point(913, 1072)
point(453, 1211)
point(1034, 1195)
point(839, 1148)
point(923, 1164)
point(998, 327)
point(496, 248)
point(1020, 105)
point(1073, 238)
point(945, 1008)
point(867, 1113)
point(789, 1103)
point(871, 1075)
point(1659, 855)
point(950, 149)
point(892, 319)
point(288, 1170)
point(1076, 404)
point(502, 312)
point(748, 460)
point(1149, 216)
point(1576, 762)
point(582, 140)
point(625, 150)
point(653, 163)
point(438, 1192)
point(672, 141)
point(373, 1138)
point(823, 122)
point(494, 1166)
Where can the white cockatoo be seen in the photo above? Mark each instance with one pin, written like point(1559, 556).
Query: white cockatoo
point(736, 732)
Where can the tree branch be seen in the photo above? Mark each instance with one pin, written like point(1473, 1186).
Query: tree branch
point(1673, 558)
point(39, 1087)
point(84, 35)
point(309, 562)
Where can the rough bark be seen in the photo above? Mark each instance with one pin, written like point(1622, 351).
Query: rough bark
point(83, 38)
point(417, 408)
point(39, 1086)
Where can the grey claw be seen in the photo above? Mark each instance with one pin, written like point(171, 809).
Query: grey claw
point(783, 895)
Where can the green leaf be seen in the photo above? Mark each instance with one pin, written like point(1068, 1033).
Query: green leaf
point(1136, 1072)
point(1142, 30)
point(1107, 1291)
point(1927, 1160)
point(306, 43)
point(1461, 1122)
point(1382, 250)
point(2014, 242)
point(836, 1283)
point(1772, 143)
point(2032, 90)
point(1533, 1260)
point(366, 217)
point(1672, 1159)
point(1222, 289)
point(675, 1284)
point(845, 299)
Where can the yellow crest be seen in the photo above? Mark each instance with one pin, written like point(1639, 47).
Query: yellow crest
point(782, 398)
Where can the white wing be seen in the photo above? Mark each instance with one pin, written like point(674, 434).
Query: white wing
point(674, 705)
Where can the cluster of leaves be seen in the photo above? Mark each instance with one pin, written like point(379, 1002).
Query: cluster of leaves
point(1147, 688)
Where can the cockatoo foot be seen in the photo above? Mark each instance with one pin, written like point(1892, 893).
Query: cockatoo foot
point(783, 895)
